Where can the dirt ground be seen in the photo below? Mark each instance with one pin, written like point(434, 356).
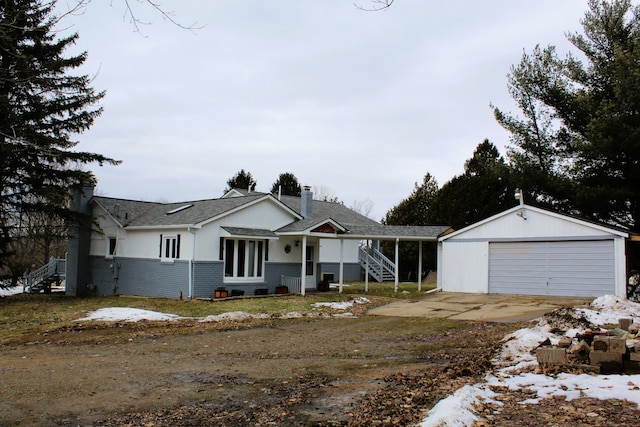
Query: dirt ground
point(363, 371)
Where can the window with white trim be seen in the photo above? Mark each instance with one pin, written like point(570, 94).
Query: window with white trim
point(170, 247)
point(244, 259)
point(112, 245)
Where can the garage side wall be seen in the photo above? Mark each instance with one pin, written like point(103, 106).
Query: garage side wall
point(465, 266)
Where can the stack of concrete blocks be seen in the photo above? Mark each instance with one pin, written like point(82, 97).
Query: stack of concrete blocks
point(608, 353)
point(615, 352)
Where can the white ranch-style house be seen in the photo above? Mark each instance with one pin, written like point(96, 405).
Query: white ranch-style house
point(243, 243)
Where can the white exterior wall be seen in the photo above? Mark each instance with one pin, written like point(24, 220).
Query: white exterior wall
point(465, 256)
point(107, 228)
point(264, 215)
point(330, 251)
point(465, 267)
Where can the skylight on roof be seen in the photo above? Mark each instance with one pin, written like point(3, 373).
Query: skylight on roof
point(181, 208)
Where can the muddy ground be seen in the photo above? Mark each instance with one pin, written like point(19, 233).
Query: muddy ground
point(363, 371)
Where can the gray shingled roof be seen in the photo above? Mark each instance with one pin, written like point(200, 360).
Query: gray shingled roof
point(322, 210)
point(132, 213)
point(412, 232)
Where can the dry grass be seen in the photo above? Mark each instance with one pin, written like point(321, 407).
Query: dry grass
point(25, 314)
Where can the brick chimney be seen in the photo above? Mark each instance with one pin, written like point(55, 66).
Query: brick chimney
point(78, 273)
point(306, 202)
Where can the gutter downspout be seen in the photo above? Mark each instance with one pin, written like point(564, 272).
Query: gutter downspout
point(191, 259)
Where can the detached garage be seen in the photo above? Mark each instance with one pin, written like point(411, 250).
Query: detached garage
point(531, 251)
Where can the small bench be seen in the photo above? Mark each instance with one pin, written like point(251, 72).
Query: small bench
point(339, 286)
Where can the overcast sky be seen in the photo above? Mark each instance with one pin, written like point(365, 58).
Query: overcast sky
point(361, 103)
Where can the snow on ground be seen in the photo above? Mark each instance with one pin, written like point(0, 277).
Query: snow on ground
point(10, 291)
point(457, 409)
point(343, 305)
point(124, 314)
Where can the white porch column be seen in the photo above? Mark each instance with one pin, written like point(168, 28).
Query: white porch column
point(366, 267)
point(303, 273)
point(341, 274)
point(395, 285)
point(419, 265)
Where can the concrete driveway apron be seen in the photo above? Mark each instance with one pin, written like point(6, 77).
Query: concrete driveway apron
point(483, 307)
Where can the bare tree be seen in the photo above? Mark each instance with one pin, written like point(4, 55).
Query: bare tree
point(325, 193)
point(131, 13)
point(363, 207)
point(376, 5)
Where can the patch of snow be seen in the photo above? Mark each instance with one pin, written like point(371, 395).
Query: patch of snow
point(342, 305)
point(458, 409)
point(455, 411)
point(124, 314)
point(234, 315)
point(5, 292)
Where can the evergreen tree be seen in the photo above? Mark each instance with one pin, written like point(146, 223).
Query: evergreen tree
point(287, 184)
point(590, 110)
point(484, 189)
point(241, 180)
point(412, 211)
point(42, 108)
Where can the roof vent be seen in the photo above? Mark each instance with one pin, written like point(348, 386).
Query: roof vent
point(181, 208)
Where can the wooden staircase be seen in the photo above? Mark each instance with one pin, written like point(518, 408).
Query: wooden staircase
point(41, 279)
point(381, 268)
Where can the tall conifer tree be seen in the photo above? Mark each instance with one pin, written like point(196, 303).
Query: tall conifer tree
point(43, 108)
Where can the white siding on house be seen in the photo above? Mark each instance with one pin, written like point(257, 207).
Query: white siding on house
point(264, 215)
point(330, 251)
point(107, 229)
point(465, 267)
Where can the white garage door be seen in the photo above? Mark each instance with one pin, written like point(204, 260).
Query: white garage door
point(568, 268)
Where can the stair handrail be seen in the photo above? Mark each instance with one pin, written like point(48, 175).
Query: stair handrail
point(40, 274)
point(374, 266)
point(386, 262)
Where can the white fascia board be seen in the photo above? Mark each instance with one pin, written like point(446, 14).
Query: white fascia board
point(163, 227)
point(390, 237)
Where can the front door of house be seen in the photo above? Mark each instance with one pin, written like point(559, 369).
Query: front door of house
point(310, 267)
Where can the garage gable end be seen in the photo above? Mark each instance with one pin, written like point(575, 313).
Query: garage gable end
point(530, 223)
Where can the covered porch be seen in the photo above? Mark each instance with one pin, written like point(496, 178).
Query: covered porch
point(370, 258)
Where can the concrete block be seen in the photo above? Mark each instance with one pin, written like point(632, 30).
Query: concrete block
point(610, 363)
point(610, 344)
point(625, 323)
point(631, 367)
point(600, 343)
point(564, 342)
point(551, 356)
point(634, 357)
point(617, 345)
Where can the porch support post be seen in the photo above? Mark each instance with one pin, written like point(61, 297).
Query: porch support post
point(366, 267)
point(419, 265)
point(341, 274)
point(303, 273)
point(395, 285)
